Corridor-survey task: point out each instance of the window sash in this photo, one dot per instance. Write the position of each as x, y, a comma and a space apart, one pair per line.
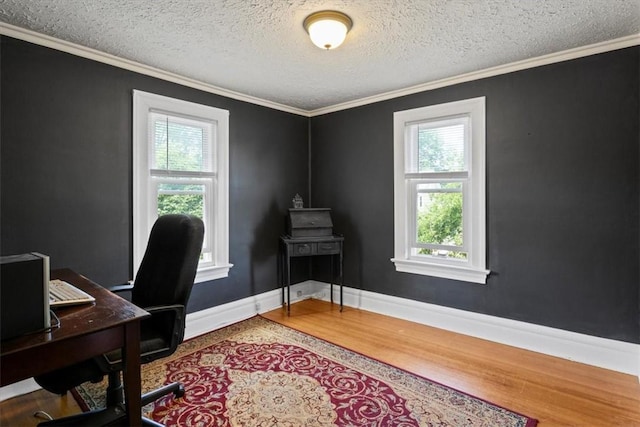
412, 215
414, 178
412, 141
207, 139
172, 173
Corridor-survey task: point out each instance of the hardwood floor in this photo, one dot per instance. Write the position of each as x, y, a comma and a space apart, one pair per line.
19, 411
557, 392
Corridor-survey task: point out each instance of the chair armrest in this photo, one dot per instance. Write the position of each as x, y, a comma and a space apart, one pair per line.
121, 288
159, 309
160, 336
167, 321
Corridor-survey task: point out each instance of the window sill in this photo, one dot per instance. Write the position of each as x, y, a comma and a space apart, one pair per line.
454, 272
212, 273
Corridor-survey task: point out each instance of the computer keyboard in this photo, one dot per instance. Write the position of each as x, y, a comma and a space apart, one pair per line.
62, 293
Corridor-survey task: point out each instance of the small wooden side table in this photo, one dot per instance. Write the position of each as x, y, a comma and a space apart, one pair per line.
304, 247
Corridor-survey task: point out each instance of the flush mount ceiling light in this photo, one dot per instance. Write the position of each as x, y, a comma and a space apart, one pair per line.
327, 28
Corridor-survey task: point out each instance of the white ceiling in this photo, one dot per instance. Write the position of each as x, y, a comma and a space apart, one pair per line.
259, 47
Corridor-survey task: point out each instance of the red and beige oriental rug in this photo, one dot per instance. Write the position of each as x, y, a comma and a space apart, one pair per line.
260, 373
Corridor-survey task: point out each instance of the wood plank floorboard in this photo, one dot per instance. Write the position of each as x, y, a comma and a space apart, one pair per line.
557, 392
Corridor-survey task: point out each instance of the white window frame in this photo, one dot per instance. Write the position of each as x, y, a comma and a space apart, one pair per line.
473, 269
145, 179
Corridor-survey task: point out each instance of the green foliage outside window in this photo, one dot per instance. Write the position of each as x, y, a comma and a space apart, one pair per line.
185, 204
442, 223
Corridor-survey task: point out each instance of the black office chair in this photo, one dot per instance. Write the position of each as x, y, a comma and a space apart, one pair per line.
162, 287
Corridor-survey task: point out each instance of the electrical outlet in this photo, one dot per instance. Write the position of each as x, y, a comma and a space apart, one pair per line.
257, 306
299, 294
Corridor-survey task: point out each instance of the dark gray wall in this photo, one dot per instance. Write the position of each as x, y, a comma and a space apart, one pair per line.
66, 169
562, 195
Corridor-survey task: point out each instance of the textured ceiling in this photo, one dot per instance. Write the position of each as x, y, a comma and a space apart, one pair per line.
259, 47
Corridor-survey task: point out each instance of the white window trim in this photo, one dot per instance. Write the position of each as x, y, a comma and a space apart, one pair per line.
144, 215
474, 269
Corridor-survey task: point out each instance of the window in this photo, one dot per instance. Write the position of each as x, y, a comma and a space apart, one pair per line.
439, 190
180, 165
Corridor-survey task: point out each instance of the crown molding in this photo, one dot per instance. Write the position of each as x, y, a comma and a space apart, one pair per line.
566, 55
96, 55
106, 58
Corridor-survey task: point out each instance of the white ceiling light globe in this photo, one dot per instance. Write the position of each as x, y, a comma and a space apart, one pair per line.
327, 29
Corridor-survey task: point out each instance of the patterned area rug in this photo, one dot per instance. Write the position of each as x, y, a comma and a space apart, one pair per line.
260, 373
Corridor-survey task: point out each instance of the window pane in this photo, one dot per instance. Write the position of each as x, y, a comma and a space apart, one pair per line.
178, 198
180, 144
181, 198
439, 217
441, 149
437, 145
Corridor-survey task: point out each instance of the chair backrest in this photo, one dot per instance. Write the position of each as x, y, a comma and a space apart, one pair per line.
170, 261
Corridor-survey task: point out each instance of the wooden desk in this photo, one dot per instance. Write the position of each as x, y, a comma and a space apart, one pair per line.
304, 247
85, 331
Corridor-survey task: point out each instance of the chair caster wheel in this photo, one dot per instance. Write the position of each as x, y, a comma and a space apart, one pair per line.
180, 392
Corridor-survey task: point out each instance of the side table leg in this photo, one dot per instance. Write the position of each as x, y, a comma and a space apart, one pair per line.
333, 276
340, 272
288, 280
280, 273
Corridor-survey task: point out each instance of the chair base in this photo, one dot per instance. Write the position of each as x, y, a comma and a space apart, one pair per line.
176, 388
116, 415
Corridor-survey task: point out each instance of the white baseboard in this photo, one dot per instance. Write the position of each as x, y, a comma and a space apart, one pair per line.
602, 352
605, 353
17, 389
204, 321
213, 318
